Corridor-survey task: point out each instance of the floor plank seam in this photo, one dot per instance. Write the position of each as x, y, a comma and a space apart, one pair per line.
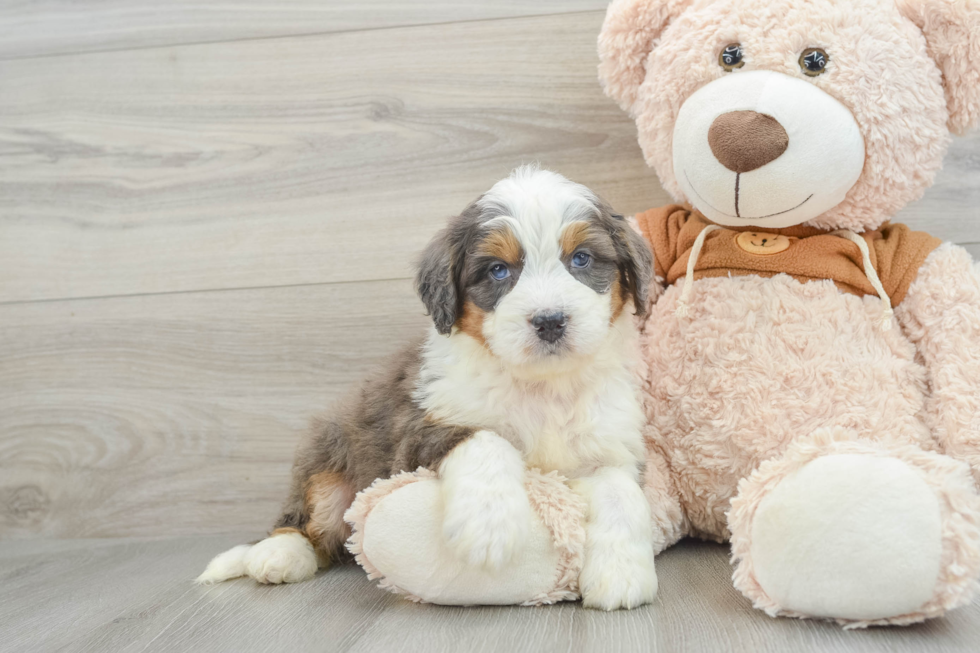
312, 284
76, 53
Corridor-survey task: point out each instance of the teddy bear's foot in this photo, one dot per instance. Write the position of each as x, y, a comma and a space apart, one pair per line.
849, 536
861, 532
397, 536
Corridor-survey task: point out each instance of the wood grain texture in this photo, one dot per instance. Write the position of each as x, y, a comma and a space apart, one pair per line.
289, 161
46, 27
242, 215
131, 595
176, 414
312, 159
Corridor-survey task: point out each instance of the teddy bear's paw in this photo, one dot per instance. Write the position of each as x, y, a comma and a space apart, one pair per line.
283, 558
850, 536
487, 526
621, 577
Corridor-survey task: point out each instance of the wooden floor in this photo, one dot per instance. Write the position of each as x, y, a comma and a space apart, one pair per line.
132, 595
208, 214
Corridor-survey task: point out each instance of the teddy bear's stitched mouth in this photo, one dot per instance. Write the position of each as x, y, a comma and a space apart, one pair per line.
742, 217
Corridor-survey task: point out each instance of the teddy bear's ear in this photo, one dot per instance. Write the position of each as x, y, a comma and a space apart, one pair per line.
952, 31
625, 42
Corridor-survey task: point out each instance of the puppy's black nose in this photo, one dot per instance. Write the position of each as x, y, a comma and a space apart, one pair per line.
550, 326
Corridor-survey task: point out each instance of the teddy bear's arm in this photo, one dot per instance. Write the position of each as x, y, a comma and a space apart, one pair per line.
941, 316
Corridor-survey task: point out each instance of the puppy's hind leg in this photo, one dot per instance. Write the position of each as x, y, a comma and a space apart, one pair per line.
304, 540
328, 496
286, 556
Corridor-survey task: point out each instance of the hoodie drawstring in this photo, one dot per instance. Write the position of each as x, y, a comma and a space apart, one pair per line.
887, 313
871, 274
681, 310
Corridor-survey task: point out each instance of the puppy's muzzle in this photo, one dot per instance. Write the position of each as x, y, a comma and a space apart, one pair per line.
550, 327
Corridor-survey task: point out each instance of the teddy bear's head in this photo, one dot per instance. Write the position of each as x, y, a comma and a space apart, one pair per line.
772, 113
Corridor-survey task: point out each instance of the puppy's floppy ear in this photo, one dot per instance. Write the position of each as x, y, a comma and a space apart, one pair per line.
952, 31
436, 283
638, 265
627, 37
634, 256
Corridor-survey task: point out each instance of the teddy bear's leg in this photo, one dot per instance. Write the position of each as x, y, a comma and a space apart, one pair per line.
859, 531
398, 536
669, 520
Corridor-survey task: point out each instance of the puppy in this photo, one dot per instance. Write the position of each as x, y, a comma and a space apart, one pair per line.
529, 363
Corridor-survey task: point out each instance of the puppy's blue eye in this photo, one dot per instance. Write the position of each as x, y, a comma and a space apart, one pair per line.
581, 260
499, 272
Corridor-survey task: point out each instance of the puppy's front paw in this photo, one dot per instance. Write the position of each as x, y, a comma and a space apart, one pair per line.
283, 558
487, 526
623, 577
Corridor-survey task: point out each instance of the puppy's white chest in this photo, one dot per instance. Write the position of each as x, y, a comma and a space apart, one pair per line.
575, 435
571, 424
550, 434
556, 452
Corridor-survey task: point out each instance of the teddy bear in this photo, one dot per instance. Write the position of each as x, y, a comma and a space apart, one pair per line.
811, 370
813, 382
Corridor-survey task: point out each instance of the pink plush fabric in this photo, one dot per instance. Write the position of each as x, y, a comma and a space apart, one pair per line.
563, 513
655, 53
561, 510
630, 30
957, 497
357, 516
743, 390
728, 389
718, 380
941, 316
669, 521
952, 31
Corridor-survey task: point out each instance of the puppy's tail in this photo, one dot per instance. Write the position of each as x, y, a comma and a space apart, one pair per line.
230, 564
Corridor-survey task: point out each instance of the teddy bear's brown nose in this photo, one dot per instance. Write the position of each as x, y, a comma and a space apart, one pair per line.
743, 141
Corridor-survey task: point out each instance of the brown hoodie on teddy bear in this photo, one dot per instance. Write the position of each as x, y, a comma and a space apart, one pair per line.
805, 253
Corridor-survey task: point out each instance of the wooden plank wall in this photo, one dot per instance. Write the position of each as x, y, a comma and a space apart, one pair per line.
207, 224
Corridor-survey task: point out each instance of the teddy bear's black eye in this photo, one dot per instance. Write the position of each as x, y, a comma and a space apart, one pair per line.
731, 57
813, 62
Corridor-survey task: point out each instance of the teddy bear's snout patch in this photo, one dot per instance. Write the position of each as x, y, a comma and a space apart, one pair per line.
744, 141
